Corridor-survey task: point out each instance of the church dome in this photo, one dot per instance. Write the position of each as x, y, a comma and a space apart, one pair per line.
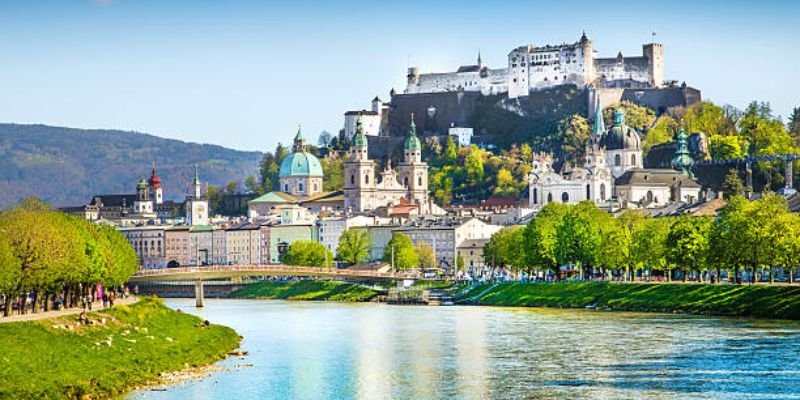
621, 136
300, 164
412, 141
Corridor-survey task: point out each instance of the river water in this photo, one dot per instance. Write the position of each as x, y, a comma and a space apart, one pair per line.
311, 350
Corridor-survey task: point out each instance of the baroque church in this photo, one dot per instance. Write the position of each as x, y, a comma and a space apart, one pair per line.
613, 174
406, 186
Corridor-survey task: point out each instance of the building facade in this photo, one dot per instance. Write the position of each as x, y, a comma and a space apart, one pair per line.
536, 67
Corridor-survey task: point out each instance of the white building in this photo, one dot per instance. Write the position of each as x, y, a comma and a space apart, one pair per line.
463, 135
148, 243
331, 229
533, 67
371, 120
197, 205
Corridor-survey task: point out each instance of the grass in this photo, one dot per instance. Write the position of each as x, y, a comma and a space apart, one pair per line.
306, 290
761, 301
140, 341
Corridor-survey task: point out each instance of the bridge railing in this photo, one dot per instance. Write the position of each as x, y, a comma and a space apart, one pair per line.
267, 269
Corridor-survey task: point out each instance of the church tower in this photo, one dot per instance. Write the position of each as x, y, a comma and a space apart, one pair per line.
359, 174
196, 205
143, 205
413, 171
156, 192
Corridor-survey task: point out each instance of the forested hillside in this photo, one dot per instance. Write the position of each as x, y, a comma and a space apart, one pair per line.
66, 166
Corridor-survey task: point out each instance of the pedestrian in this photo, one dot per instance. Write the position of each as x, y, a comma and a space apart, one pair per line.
83, 318
111, 299
105, 299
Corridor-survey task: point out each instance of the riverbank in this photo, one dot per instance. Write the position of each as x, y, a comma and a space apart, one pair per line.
306, 290
778, 302
123, 348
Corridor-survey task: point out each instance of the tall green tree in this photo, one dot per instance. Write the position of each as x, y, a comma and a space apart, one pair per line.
425, 255
354, 245
688, 243
732, 185
649, 247
401, 249
474, 166
541, 237
504, 248
10, 270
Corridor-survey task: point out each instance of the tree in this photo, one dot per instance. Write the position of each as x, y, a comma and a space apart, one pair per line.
425, 255
573, 134
708, 118
649, 244
333, 168
636, 116
663, 132
725, 147
450, 153
794, 125
540, 237
504, 248
354, 246
504, 183
252, 186
441, 184
688, 243
308, 253
474, 165
727, 237
10, 270
325, 138
788, 244
579, 236
732, 185
269, 170
401, 249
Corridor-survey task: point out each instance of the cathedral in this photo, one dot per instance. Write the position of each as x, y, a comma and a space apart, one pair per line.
613, 170
407, 185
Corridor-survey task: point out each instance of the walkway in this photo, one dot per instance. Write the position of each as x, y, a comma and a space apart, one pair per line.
97, 306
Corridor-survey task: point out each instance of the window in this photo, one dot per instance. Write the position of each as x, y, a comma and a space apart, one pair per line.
352, 179
549, 197
588, 192
649, 196
300, 187
603, 191
633, 160
419, 181
564, 197
535, 196
286, 187
366, 178
405, 181
617, 160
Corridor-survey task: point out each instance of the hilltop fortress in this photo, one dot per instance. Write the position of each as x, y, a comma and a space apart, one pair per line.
539, 67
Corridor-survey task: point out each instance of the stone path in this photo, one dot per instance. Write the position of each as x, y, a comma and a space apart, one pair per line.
97, 306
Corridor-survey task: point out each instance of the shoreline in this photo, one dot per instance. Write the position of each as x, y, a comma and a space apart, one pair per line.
138, 346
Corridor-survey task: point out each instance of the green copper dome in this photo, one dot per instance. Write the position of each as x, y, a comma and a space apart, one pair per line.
142, 184
300, 164
412, 141
682, 161
621, 136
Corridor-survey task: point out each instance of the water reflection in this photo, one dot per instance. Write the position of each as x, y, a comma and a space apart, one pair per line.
373, 351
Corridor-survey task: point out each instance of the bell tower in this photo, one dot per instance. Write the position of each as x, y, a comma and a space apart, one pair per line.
413, 171
359, 174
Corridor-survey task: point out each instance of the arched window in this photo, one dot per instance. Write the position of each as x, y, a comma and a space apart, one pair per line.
549, 197
649, 196
617, 160
564, 197
419, 181
352, 179
535, 196
315, 187
300, 187
366, 178
633, 159
588, 192
603, 191
405, 181
286, 187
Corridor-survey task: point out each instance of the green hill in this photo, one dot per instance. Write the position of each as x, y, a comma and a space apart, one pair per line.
66, 166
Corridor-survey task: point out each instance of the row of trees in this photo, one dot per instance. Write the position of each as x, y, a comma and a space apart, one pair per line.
354, 248
49, 254
759, 236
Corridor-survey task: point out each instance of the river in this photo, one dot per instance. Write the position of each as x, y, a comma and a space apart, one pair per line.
313, 350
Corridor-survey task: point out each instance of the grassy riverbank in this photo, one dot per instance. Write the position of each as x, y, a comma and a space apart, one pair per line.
782, 302
306, 290
54, 358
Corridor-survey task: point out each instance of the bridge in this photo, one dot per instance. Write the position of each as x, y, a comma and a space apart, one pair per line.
212, 272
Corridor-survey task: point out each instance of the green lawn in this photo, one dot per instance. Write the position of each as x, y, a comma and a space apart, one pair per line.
38, 360
306, 290
761, 301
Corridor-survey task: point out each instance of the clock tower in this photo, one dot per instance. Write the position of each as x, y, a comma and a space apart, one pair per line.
196, 205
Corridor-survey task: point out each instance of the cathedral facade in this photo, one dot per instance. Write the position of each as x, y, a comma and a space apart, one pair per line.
363, 191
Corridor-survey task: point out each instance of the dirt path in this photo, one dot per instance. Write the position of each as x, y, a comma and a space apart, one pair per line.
97, 306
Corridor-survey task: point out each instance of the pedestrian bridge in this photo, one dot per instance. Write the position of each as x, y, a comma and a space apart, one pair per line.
216, 272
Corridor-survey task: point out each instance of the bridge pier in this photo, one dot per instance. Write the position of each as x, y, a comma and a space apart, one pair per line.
199, 297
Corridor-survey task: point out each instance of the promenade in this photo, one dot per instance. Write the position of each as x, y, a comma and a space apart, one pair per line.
96, 306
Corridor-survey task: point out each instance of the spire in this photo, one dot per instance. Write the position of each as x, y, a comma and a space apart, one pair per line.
413, 127
299, 142
599, 123
196, 180
619, 117
682, 161
412, 142
480, 61
359, 139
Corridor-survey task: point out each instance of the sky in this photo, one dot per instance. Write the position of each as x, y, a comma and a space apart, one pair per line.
244, 74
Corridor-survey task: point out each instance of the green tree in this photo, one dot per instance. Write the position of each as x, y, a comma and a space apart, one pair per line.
354, 246
732, 185
688, 243
794, 125
579, 238
662, 132
308, 253
474, 166
505, 248
573, 135
649, 244
333, 168
504, 183
269, 169
10, 270
541, 238
251, 185
425, 255
724, 147
708, 118
450, 153
788, 244
636, 116
442, 186
402, 249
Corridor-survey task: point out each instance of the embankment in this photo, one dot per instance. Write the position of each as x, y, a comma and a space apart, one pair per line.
760, 301
123, 348
306, 290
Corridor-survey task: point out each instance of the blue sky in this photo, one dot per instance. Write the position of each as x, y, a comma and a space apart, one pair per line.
243, 74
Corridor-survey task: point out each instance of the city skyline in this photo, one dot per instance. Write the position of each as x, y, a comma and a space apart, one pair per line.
244, 74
